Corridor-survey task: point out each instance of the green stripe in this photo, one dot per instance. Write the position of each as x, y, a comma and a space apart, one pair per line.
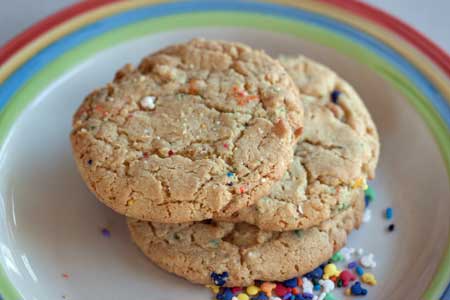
68, 60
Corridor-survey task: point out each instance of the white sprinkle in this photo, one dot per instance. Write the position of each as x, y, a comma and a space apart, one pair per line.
234, 298
368, 261
367, 216
300, 209
360, 251
307, 286
347, 253
148, 102
328, 285
263, 179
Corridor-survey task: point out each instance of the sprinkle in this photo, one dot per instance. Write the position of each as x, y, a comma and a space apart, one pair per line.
225, 295
329, 296
89, 162
267, 288
335, 96
346, 277
317, 273
369, 196
359, 271
170, 153
262, 296
280, 290
347, 253
368, 261
367, 215
243, 297
352, 265
360, 251
291, 283
236, 290
359, 183
106, 232
389, 213
287, 296
295, 291
347, 292
214, 288
148, 102
241, 190
391, 227
230, 174
219, 279
252, 290
337, 257
328, 285
369, 279
316, 287
225, 146
330, 270
307, 286
65, 275
358, 290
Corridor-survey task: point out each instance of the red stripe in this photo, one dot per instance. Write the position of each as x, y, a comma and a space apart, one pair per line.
434, 52
17, 43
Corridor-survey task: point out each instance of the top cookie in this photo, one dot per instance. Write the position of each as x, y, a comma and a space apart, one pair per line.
338, 151
198, 129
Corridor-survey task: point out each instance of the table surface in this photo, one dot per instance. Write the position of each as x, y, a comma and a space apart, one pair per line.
428, 18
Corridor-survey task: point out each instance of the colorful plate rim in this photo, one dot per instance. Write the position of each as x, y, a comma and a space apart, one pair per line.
423, 62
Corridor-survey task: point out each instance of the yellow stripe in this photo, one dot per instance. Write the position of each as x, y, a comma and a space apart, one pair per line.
66, 28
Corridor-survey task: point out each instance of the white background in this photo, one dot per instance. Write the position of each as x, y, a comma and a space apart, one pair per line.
430, 17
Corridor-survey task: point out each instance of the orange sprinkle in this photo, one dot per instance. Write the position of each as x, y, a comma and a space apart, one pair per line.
296, 291
299, 281
241, 190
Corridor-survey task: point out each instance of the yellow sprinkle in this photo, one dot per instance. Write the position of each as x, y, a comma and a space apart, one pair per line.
369, 278
252, 290
243, 297
130, 202
360, 183
213, 288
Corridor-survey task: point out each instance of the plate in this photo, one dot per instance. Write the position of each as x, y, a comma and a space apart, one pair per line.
51, 241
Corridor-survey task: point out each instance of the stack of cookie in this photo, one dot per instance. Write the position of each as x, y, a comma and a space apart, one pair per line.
227, 161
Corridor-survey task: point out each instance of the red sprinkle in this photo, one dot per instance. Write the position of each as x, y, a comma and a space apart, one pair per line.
281, 290
241, 190
225, 146
146, 155
236, 290
65, 275
170, 153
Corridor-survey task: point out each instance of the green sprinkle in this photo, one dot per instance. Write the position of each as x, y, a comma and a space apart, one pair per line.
329, 296
214, 243
337, 257
370, 194
298, 232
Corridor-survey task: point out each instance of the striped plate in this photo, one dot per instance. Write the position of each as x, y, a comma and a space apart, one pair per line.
50, 241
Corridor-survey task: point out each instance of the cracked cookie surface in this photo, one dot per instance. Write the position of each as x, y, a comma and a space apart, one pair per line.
196, 130
247, 253
337, 152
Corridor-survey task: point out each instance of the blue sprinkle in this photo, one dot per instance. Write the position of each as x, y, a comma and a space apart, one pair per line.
262, 296
317, 287
308, 296
317, 273
359, 271
352, 265
227, 294
358, 290
219, 279
389, 213
291, 283
367, 200
230, 174
105, 233
335, 96
287, 296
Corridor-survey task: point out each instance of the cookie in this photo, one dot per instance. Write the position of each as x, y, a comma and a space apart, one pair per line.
196, 130
197, 250
338, 151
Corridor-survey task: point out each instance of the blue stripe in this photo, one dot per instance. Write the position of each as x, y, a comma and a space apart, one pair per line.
446, 294
17, 80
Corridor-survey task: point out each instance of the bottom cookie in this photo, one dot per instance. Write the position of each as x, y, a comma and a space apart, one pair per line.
197, 250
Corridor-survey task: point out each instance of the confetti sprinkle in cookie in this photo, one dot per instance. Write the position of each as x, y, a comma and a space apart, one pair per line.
337, 152
159, 142
200, 251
